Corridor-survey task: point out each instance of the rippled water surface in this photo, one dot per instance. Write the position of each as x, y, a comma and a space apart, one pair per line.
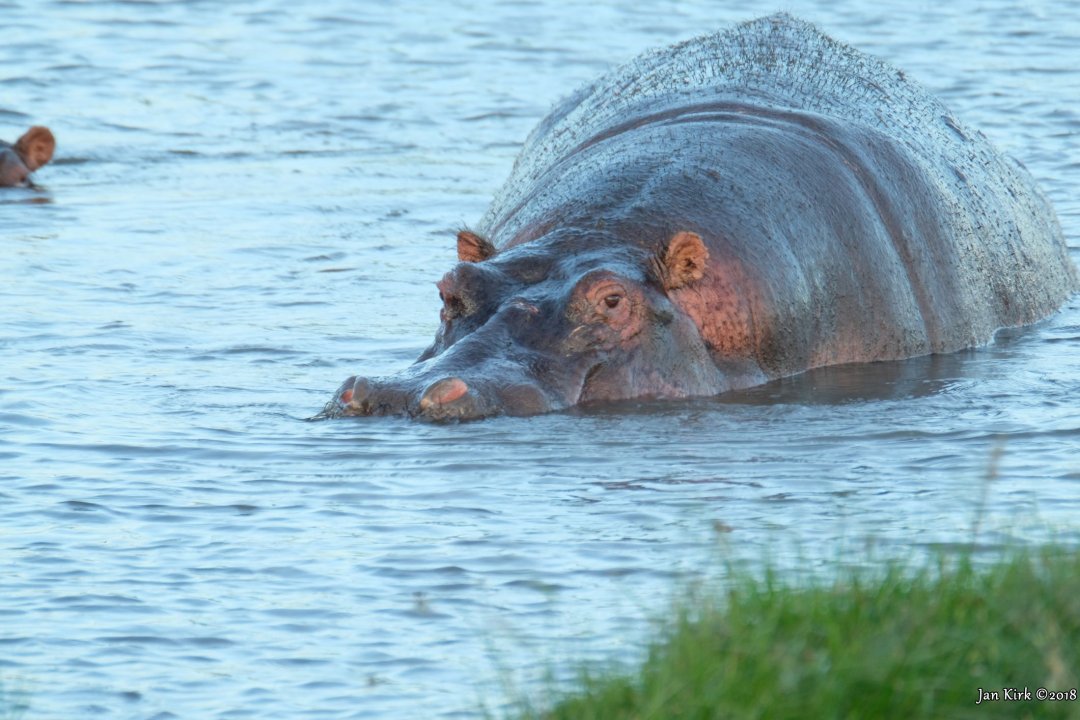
251, 201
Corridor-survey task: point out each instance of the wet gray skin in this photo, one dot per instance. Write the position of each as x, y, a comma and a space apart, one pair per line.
738, 208
13, 171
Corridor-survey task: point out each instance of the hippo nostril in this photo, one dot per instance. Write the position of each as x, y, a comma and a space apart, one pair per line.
354, 392
444, 392
345, 392
361, 389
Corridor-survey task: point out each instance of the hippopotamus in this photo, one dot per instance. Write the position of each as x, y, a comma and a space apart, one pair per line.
28, 153
721, 213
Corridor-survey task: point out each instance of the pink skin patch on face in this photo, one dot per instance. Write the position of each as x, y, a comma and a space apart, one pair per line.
448, 391
444, 392
346, 397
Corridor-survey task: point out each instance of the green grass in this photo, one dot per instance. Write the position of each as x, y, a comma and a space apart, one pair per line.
896, 643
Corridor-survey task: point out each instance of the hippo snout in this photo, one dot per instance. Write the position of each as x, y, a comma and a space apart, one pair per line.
446, 398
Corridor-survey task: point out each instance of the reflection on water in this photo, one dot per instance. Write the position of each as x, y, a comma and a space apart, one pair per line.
837, 385
252, 202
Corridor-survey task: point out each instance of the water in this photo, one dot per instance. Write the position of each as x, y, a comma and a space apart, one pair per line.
251, 202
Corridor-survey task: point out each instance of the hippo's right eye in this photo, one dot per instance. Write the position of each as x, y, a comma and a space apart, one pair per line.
612, 301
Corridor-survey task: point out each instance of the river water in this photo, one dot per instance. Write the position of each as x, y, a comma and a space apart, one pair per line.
251, 201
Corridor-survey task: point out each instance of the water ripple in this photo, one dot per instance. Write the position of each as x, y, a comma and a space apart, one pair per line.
250, 204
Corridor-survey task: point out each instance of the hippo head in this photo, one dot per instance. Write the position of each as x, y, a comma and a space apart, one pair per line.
544, 326
31, 151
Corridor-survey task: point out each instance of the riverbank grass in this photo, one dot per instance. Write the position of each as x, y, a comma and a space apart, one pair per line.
895, 643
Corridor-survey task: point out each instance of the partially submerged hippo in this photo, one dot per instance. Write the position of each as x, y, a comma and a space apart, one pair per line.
31, 151
738, 208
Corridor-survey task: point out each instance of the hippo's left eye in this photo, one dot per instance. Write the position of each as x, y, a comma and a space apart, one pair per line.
612, 301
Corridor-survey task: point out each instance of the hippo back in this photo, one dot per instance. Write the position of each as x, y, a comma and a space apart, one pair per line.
996, 231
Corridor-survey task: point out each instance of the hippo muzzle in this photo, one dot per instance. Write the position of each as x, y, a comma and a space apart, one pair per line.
447, 398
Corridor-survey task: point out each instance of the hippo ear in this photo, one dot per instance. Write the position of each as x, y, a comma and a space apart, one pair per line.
473, 248
684, 260
35, 147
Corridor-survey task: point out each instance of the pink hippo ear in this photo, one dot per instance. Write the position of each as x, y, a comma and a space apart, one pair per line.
473, 248
684, 260
35, 147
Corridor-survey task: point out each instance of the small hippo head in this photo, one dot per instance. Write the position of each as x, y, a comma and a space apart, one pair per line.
31, 151
546, 325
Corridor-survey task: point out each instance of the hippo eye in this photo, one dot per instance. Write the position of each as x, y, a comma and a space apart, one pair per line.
612, 301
